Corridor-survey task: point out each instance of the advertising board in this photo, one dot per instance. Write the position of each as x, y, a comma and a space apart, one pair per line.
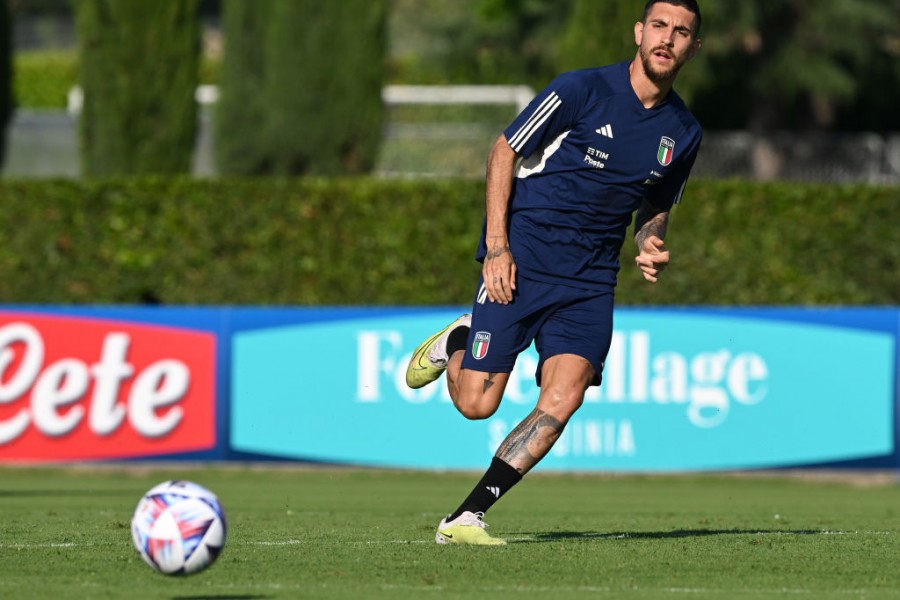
683, 389
76, 387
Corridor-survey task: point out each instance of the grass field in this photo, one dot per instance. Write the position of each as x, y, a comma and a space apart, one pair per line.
311, 533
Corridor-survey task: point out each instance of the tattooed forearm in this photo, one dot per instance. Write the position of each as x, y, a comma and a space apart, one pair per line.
495, 252
530, 440
647, 224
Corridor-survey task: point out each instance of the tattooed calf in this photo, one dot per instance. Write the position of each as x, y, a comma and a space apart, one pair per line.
530, 440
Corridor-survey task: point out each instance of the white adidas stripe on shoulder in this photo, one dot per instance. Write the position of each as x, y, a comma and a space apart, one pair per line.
540, 115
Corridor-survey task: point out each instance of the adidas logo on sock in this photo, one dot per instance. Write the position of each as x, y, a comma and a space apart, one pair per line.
494, 490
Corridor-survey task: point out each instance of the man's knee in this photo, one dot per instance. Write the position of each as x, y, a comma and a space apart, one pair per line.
475, 408
561, 402
564, 380
477, 395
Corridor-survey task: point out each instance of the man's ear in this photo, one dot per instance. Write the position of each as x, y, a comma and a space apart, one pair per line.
695, 48
638, 33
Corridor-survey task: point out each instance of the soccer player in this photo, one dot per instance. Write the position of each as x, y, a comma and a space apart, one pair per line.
593, 149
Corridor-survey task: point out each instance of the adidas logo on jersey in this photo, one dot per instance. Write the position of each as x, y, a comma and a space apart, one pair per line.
606, 130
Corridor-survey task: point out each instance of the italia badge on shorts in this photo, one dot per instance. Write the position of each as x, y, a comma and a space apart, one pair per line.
666, 150
480, 345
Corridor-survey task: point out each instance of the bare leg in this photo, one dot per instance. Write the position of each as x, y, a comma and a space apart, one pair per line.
530, 441
564, 380
475, 394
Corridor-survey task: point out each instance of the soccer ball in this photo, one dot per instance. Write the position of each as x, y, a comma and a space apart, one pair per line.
179, 528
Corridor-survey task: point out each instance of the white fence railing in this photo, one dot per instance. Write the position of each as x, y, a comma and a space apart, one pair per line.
44, 144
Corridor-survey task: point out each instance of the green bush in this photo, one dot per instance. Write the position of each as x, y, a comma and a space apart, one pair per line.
360, 241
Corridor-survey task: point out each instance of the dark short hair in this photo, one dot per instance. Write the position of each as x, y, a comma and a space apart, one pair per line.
691, 5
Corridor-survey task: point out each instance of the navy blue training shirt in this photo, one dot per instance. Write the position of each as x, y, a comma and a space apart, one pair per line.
591, 153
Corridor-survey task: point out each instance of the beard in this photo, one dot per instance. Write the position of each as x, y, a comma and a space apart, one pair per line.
658, 76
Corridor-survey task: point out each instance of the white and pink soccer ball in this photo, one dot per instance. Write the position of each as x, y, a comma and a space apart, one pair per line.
179, 528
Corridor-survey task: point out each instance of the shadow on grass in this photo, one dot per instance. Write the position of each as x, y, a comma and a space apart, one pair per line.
554, 536
62, 493
223, 597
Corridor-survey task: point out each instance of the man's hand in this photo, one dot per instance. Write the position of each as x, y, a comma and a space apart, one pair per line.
499, 272
653, 258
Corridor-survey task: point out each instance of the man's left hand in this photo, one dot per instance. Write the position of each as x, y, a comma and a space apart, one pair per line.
653, 258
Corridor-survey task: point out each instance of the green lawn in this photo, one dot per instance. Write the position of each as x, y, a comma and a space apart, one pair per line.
309, 533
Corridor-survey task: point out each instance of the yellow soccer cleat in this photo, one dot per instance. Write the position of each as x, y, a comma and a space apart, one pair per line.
467, 528
430, 358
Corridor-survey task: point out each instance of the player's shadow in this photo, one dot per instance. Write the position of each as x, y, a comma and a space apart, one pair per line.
555, 536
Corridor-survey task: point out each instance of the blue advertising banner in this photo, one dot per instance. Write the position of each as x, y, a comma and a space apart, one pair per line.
682, 390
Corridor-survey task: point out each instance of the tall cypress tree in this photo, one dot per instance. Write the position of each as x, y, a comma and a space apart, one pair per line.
599, 33
139, 73
319, 79
240, 112
323, 85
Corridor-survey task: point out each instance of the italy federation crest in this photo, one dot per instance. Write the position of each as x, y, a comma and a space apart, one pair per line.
666, 150
480, 345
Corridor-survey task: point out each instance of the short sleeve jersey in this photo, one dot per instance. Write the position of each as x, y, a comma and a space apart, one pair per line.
590, 154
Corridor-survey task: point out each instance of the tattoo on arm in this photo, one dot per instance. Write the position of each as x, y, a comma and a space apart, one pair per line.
647, 225
530, 440
496, 252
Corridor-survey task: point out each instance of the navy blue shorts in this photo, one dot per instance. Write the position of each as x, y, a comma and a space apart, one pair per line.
557, 318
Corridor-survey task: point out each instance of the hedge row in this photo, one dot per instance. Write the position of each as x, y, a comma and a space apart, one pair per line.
390, 242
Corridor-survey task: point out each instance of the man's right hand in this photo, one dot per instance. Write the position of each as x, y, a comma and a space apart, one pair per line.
499, 272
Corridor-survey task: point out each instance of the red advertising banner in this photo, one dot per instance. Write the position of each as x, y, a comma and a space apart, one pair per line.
74, 388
